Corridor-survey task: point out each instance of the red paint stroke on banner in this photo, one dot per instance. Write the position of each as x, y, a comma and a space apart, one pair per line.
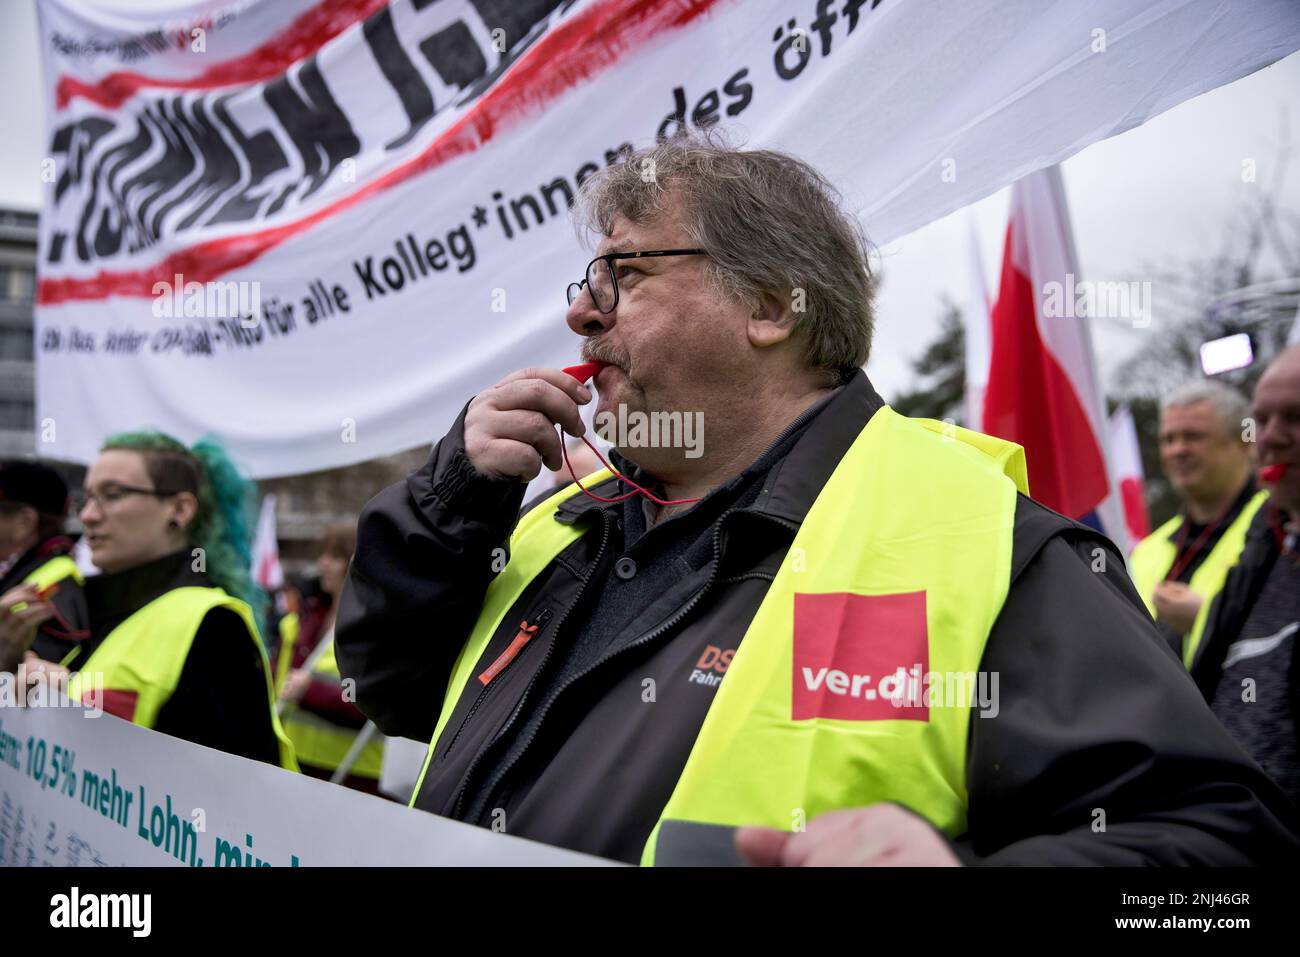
298, 41
569, 54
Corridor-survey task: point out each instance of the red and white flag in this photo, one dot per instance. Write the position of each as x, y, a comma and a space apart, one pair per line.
1043, 390
1126, 464
267, 571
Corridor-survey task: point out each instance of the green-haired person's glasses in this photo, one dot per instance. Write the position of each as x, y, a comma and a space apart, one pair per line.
112, 493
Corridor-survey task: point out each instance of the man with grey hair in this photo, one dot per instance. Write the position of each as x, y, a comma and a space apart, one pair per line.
838, 635
1205, 455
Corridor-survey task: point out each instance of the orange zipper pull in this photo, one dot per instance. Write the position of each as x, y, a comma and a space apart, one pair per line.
525, 635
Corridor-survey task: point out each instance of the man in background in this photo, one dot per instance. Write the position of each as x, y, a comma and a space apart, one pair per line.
1180, 567
35, 550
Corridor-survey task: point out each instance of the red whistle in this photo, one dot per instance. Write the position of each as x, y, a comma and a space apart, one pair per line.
586, 370
1273, 473
582, 373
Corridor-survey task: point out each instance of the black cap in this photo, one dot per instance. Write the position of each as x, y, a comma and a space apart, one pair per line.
30, 483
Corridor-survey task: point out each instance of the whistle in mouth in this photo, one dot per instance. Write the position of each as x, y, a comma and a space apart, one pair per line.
586, 370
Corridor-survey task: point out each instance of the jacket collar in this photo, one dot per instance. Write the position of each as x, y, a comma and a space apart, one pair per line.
1243, 498
113, 597
795, 481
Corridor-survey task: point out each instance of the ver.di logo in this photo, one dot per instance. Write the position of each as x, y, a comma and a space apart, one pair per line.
853, 655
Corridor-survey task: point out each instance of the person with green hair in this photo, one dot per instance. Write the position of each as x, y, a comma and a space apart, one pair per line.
174, 641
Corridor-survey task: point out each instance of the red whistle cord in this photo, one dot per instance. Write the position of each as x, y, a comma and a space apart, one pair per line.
636, 489
582, 373
65, 631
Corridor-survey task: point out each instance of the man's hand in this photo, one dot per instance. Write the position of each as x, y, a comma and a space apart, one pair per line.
21, 611
510, 428
34, 665
1176, 605
882, 835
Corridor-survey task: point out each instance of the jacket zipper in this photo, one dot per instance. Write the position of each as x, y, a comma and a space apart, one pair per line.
526, 633
643, 640
582, 586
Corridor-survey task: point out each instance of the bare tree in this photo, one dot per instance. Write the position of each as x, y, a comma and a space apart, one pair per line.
1250, 284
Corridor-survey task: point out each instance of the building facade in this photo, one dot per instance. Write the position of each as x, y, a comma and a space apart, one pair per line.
17, 371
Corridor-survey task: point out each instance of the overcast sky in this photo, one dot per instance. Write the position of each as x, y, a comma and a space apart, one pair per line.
1156, 194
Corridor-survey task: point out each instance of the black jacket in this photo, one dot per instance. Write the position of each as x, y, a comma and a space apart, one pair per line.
1232, 605
221, 698
1096, 714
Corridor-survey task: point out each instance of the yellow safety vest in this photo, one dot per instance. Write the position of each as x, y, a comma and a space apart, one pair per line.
917, 510
146, 653
1154, 556
324, 744
55, 570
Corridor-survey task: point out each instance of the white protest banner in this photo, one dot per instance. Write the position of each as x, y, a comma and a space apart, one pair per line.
316, 227
77, 790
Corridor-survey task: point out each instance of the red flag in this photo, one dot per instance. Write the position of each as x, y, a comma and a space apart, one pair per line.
1043, 391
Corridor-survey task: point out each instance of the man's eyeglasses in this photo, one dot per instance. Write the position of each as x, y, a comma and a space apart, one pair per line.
601, 282
113, 493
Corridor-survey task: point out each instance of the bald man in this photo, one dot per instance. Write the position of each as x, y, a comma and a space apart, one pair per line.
1246, 667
